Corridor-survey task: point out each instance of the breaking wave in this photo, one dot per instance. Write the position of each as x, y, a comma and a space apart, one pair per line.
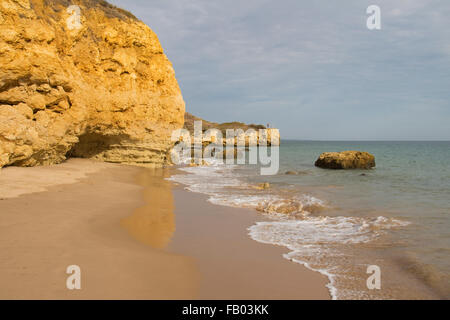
295, 221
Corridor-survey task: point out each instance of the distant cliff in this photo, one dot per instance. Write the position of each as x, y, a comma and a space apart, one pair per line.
189, 120
88, 81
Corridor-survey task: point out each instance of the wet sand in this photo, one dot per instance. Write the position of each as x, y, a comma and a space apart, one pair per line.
42, 233
231, 264
134, 236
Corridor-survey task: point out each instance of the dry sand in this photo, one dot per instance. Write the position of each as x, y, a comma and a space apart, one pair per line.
134, 236
43, 233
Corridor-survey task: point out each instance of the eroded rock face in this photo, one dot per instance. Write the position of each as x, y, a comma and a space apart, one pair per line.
346, 160
98, 87
190, 119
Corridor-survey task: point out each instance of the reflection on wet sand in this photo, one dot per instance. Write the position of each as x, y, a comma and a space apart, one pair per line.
154, 223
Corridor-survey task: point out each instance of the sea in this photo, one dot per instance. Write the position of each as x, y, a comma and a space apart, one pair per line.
387, 225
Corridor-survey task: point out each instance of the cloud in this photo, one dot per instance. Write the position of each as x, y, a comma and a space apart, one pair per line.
305, 66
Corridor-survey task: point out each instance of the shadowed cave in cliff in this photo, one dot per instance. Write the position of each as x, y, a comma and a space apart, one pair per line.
94, 145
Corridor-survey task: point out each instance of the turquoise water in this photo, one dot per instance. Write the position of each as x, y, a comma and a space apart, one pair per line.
338, 222
411, 182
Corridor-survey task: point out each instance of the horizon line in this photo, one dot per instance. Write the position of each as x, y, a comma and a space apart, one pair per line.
362, 140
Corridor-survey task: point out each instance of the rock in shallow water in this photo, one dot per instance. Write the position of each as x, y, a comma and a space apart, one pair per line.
263, 186
345, 160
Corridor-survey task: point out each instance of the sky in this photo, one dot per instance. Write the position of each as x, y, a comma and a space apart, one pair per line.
310, 68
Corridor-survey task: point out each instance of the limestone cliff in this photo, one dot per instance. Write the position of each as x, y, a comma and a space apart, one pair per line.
89, 80
189, 120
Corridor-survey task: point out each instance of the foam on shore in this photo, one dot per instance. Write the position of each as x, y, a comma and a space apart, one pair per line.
296, 221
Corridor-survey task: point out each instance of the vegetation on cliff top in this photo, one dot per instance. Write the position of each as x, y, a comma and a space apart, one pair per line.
190, 118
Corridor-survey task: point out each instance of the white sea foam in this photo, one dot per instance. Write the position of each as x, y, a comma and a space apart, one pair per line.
312, 240
210, 180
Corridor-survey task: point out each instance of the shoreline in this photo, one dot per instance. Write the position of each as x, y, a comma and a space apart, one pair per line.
338, 244
101, 222
253, 264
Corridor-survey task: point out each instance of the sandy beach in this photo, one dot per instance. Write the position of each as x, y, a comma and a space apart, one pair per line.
200, 151
134, 235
